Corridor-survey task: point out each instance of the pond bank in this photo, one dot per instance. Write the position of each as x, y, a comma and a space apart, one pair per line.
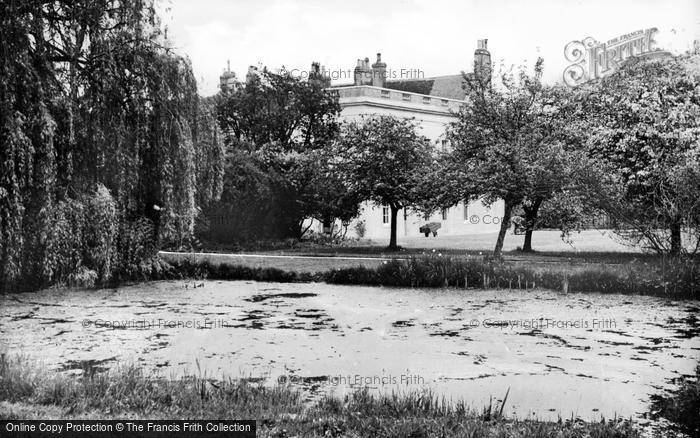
126, 392
587, 356
677, 278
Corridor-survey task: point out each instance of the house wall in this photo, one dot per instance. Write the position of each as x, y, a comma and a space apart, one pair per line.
480, 220
432, 115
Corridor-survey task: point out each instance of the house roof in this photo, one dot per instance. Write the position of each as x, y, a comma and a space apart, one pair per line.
449, 87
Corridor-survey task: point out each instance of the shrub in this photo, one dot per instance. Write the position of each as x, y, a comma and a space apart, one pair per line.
435, 270
62, 254
136, 249
190, 269
682, 406
680, 277
99, 234
358, 275
82, 277
360, 228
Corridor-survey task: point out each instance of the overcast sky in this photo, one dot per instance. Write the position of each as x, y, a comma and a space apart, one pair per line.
432, 37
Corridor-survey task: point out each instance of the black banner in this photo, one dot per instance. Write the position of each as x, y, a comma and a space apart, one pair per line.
128, 428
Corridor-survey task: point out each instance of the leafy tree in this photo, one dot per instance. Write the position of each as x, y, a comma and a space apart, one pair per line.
331, 197
280, 109
281, 125
644, 122
247, 202
97, 117
384, 159
507, 144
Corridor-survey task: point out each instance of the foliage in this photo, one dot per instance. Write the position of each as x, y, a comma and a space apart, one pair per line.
279, 131
384, 158
247, 201
100, 127
675, 277
278, 108
210, 158
644, 122
331, 197
667, 277
191, 269
682, 406
509, 143
360, 228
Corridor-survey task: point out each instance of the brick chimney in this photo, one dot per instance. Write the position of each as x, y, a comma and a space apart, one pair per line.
228, 78
482, 61
318, 74
363, 73
379, 72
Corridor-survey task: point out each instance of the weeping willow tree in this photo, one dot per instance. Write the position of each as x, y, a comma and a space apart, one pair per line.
106, 151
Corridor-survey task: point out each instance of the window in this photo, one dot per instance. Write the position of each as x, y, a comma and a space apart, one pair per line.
426, 100
444, 102
406, 96
385, 215
466, 209
444, 214
385, 94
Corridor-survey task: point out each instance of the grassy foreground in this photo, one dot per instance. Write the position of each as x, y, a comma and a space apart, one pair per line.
31, 392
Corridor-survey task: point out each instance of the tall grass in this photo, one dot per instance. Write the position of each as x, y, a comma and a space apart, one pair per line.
682, 407
673, 277
678, 278
27, 390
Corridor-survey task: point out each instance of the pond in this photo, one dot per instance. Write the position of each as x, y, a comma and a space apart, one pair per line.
558, 355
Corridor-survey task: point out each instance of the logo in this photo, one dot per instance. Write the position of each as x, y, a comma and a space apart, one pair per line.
591, 59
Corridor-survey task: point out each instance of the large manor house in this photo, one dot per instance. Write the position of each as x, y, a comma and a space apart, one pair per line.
431, 102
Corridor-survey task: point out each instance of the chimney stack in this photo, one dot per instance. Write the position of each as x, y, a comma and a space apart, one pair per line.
363, 73
227, 79
379, 72
482, 61
318, 74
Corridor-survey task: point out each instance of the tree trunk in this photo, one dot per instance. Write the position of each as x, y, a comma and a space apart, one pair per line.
676, 238
505, 224
392, 239
527, 245
530, 222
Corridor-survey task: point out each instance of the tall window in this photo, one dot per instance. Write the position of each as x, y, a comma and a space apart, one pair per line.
444, 214
385, 215
466, 209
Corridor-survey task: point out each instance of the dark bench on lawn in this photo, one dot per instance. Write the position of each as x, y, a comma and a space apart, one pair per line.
431, 227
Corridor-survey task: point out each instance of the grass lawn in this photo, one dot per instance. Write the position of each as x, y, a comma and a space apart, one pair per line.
548, 241
588, 247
